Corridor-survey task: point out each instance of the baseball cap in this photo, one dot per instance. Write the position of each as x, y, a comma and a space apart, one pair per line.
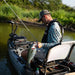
43, 12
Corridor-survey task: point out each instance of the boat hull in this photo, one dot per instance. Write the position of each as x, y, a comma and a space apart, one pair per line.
18, 64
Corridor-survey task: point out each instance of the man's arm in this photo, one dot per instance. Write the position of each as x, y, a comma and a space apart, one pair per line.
54, 36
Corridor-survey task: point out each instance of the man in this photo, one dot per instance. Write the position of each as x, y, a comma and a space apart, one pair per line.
52, 36
52, 33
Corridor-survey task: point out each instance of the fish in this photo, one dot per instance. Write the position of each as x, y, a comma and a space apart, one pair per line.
31, 54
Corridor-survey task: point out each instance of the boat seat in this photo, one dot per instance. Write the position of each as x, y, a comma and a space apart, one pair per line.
56, 56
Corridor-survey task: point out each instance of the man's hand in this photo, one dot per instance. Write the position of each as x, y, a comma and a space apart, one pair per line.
39, 44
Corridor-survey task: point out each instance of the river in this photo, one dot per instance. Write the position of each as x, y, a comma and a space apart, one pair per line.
35, 34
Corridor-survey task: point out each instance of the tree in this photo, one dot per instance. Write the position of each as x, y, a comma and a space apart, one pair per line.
48, 4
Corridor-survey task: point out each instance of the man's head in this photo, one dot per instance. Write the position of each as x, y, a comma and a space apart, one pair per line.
45, 16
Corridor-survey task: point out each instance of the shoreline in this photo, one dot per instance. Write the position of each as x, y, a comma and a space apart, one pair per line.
39, 24
33, 23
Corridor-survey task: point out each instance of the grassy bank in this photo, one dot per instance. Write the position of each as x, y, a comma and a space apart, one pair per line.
65, 18
7, 14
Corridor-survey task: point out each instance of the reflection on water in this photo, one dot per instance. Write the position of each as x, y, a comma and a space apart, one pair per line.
5, 67
4, 70
69, 36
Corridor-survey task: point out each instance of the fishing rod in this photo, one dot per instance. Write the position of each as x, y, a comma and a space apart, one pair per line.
20, 20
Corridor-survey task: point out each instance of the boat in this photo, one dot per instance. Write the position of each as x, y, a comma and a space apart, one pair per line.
56, 61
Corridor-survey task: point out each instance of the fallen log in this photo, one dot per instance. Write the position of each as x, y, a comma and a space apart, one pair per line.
33, 23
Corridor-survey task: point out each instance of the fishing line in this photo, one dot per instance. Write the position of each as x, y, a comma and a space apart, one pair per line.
20, 20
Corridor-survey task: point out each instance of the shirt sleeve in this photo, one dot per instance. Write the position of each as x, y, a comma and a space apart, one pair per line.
49, 45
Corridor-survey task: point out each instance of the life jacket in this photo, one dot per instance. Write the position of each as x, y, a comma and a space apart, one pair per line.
45, 36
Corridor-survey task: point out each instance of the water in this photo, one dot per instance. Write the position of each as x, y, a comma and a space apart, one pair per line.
5, 66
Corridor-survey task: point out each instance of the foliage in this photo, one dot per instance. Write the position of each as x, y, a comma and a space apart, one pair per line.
7, 14
27, 9
67, 8
40, 4
66, 18
47, 4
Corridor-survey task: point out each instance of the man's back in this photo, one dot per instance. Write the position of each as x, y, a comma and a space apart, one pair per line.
54, 33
